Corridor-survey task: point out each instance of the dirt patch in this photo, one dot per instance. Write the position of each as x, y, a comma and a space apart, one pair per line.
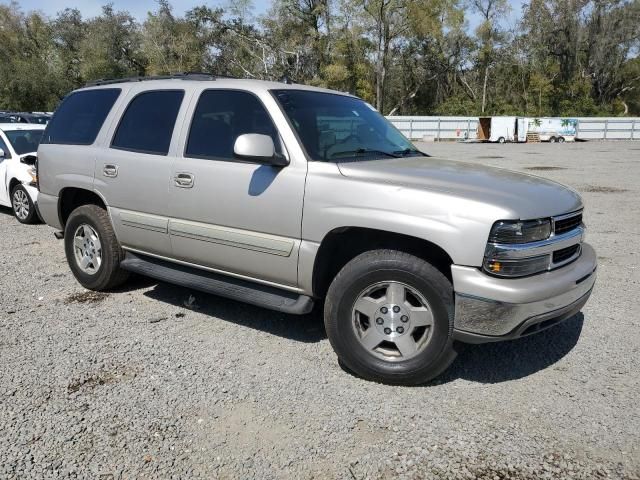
601, 189
490, 157
92, 380
86, 297
543, 168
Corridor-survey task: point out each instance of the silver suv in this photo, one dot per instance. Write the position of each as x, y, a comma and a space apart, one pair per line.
283, 196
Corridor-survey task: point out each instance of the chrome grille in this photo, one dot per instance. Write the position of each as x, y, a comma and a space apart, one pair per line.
566, 223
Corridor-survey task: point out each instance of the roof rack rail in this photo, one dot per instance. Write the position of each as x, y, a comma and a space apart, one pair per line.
179, 76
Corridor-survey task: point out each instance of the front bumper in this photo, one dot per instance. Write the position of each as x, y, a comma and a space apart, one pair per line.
490, 309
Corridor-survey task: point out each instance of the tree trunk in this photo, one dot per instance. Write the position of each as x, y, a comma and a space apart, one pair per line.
484, 88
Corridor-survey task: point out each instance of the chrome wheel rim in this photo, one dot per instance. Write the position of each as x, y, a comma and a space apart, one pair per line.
20, 203
392, 321
87, 249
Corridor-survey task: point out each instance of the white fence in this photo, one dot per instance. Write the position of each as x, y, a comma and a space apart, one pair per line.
460, 128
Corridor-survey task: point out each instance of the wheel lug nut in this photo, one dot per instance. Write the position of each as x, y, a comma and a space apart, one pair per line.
400, 329
379, 321
387, 331
384, 309
396, 309
404, 318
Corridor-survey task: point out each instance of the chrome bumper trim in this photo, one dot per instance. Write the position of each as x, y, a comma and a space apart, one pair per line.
491, 306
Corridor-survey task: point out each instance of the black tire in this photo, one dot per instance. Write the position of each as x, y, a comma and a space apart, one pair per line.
21, 201
552, 140
373, 267
560, 139
501, 140
109, 274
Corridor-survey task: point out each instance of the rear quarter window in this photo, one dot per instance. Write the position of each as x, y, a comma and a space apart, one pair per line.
80, 117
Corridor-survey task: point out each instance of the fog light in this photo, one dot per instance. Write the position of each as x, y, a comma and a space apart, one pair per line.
517, 268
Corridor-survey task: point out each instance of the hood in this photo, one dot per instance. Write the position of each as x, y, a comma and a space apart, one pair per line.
526, 195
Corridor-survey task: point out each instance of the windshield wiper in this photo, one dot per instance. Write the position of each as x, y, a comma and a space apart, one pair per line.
409, 151
361, 151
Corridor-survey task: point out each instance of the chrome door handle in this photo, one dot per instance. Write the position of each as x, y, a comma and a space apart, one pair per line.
110, 170
183, 180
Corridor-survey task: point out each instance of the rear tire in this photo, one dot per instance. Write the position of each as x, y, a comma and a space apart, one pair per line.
560, 139
23, 207
92, 249
389, 318
552, 140
501, 140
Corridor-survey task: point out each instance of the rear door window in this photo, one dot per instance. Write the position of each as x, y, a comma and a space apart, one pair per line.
147, 124
79, 118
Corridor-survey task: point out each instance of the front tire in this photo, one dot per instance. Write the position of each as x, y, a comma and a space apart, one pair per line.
23, 207
389, 318
92, 249
501, 140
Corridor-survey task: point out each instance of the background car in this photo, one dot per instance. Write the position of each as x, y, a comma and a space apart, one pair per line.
7, 118
18, 146
39, 118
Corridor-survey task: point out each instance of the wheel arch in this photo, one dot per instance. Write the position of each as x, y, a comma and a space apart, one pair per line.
71, 198
12, 184
341, 245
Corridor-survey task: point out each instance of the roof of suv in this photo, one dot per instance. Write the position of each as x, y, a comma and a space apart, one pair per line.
198, 79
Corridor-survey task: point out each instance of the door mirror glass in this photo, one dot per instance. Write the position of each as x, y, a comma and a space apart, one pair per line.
258, 147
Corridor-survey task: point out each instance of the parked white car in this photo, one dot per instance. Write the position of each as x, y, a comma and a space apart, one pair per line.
18, 190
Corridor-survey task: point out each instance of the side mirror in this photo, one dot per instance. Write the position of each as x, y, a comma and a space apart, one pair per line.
2, 153
29, 160
258, 147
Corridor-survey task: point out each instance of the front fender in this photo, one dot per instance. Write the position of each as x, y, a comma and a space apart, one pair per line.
458, 225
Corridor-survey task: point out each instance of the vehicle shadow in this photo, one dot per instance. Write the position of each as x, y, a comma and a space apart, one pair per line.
6, 211
511, 360
486, 363
301, 328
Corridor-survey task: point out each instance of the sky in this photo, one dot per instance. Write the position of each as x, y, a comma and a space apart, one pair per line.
139, 8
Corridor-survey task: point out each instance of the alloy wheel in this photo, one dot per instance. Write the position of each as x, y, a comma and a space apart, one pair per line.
20, 203
87, 249
392, 320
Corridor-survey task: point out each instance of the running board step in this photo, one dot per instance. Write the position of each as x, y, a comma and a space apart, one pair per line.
217, 284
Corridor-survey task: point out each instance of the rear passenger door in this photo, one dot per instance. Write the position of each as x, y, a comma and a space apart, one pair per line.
232, 215
134, 167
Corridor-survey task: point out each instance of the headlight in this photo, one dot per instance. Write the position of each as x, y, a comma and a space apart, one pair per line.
34, 175
517, 268
507, 231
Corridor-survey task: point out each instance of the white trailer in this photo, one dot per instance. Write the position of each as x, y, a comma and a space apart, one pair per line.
553, 129
515, 129
502, 129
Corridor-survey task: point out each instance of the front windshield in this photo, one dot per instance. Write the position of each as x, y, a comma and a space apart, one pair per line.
335, 127
24, 141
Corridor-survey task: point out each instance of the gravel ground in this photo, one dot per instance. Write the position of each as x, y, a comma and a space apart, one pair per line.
157, 381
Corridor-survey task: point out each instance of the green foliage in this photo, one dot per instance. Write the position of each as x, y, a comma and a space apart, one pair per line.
564, 58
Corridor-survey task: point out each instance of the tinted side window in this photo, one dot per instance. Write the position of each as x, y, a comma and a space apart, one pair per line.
79, 118
147, 124
223, 115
